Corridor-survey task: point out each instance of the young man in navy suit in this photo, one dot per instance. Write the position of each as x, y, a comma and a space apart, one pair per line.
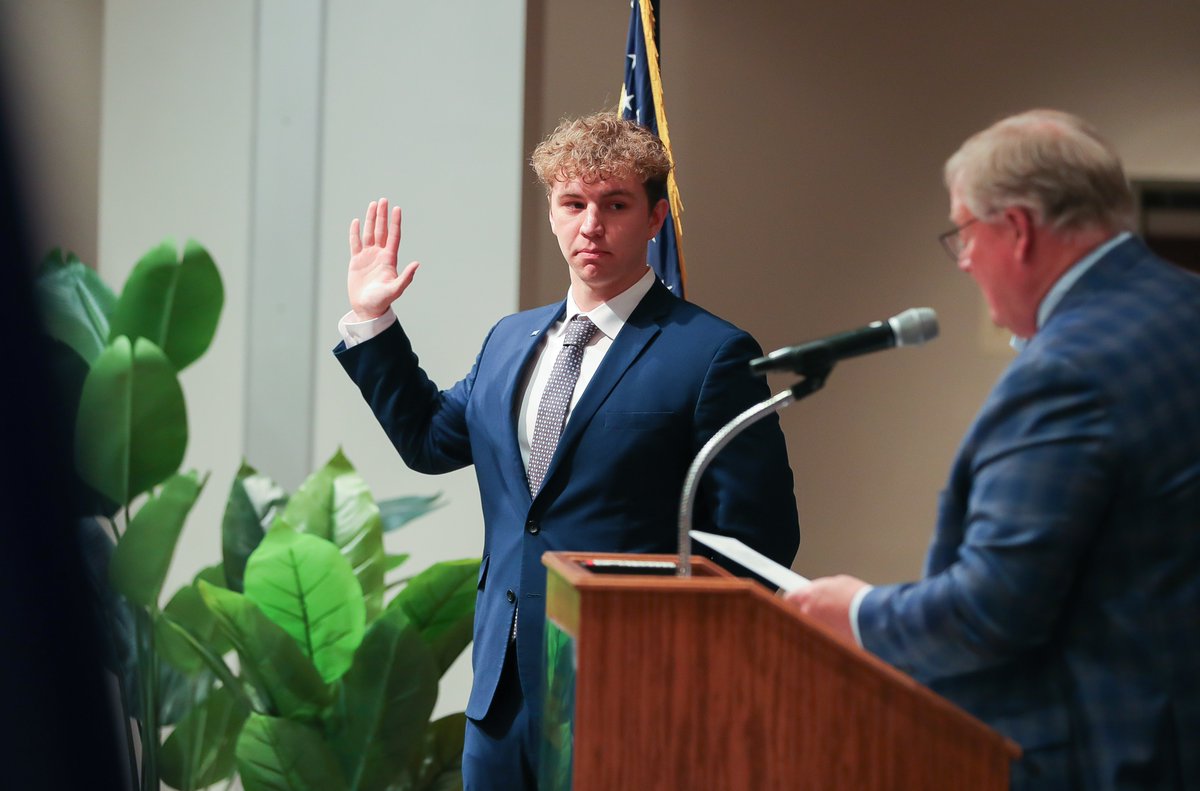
651, 380
1061, 597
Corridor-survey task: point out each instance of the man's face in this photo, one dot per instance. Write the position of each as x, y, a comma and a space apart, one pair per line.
990, 257
602, 230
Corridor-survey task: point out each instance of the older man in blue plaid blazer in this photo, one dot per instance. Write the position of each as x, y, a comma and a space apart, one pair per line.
1061, 597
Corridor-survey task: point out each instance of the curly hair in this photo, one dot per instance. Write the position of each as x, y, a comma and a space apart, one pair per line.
1053, 163
600, 147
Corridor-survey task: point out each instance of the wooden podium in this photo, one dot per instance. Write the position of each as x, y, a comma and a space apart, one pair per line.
710, 682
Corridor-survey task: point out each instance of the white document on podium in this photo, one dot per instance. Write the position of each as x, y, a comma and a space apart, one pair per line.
754, 561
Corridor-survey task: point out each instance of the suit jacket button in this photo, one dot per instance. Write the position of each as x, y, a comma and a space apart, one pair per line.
510, 596
532, 527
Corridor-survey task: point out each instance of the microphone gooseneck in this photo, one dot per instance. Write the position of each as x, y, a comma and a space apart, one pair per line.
813, 361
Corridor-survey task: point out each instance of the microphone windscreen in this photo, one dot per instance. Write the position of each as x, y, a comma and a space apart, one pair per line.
914, 326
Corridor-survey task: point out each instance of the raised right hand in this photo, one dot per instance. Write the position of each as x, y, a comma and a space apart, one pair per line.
371, 280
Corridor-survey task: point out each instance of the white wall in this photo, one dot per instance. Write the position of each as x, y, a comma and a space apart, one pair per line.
420, 102
175, 160
423, 106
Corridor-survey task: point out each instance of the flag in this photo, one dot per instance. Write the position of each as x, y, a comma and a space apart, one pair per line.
642, 101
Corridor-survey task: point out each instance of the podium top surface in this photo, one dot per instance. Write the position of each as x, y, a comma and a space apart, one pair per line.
606, 569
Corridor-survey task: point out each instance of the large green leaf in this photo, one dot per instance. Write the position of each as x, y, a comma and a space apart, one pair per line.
143, 555
440, 602
253, 501
270, 659
75, 304
440, 764
399, 511
304, 585
131, 430
173, 301
188, 610
200, 751
335, 504
386, 698
282, 755
68, 371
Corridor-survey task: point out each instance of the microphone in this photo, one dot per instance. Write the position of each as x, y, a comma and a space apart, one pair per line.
910, 328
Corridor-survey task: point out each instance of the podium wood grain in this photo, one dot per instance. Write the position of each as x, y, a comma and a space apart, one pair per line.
713, 683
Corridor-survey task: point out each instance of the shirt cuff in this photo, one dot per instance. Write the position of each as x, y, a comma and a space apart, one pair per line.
854, 605
355, 332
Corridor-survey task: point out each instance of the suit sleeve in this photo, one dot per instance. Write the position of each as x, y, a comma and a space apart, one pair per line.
1029, 491
747, 491
428, 427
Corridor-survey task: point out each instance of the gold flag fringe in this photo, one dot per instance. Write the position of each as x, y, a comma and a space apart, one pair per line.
660, 112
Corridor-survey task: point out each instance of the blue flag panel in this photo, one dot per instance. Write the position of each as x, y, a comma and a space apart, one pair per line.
637, 103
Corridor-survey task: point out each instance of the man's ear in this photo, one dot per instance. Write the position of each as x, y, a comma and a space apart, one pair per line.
658, 215
1020, 220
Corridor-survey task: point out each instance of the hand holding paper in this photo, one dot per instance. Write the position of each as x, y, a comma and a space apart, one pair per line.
828, 600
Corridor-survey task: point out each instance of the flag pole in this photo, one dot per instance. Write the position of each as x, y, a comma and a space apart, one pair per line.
660, 114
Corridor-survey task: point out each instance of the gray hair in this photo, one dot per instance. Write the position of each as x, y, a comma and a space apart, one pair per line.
1052, 163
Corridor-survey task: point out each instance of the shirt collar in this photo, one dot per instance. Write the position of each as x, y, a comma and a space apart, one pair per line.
609, 317
1072, 275
1069, 279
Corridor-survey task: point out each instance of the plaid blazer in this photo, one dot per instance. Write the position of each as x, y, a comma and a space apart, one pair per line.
1061, 596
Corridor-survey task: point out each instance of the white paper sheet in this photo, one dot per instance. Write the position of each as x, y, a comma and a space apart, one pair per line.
752, 560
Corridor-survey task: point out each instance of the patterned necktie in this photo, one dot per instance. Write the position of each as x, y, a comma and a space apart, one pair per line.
552, 410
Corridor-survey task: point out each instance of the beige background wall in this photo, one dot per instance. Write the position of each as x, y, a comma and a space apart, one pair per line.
50, 74
809, 139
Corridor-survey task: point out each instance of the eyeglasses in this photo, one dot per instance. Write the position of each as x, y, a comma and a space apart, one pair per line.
952, 242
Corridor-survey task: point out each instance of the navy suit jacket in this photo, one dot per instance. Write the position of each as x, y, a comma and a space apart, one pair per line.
1061, 598
671, 378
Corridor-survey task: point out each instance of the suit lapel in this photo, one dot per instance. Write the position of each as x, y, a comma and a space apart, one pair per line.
643, 326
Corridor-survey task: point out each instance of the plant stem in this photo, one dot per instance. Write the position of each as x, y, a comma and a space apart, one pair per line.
193, 766
141, 682
398, 583
145, 682
128, 718
148, 671
153, 729
114, 603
